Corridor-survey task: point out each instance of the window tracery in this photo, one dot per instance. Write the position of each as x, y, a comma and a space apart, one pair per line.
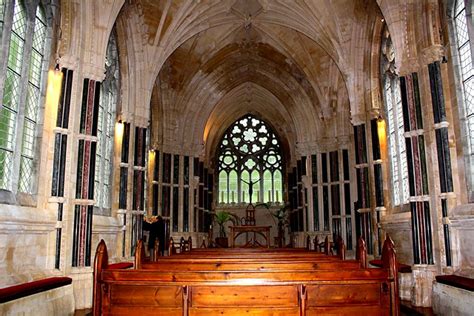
250, 163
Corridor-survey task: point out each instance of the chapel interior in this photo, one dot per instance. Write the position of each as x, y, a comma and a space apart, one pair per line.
336, 119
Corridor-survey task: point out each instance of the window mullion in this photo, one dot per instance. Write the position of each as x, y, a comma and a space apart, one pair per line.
23, 91
470, 27
5, 43
104, 148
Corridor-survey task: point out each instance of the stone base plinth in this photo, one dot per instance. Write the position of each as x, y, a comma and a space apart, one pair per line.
450, 300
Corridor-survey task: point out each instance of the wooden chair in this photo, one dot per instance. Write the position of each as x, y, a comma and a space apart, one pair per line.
249, 219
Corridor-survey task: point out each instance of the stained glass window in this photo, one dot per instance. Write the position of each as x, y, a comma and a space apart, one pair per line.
105, 126
21, 95
250, 163
463, 45
395, 127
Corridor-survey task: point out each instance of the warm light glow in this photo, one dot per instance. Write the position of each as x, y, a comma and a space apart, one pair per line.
151, 154
53, 92
382, 133
119, 130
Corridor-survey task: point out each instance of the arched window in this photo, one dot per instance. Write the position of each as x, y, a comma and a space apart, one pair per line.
394, 114
21, 82
466, 73
250, 163
105, 128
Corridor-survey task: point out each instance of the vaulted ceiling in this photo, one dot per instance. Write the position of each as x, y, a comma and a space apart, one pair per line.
299, 65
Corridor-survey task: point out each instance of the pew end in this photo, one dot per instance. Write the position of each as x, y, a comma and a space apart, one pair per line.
101, 261
361, 253
389, 262
139, 254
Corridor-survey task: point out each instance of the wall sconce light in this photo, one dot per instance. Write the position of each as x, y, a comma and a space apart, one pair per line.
119, 126
53, 91
382, 132
151, 155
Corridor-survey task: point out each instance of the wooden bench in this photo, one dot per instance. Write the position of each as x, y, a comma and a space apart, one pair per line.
182, 246
29, 288
284, 290
48, 296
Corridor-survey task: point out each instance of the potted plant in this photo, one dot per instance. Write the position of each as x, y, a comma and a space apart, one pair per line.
221, 218
280, 216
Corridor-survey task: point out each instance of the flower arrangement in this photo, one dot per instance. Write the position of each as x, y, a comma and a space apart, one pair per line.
150, 219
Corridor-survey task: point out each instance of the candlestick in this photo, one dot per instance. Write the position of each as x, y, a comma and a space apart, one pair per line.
258, 196
233, 197
278, 200
269, 195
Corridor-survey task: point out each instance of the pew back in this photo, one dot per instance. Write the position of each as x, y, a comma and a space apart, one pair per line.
238, 282
250, 292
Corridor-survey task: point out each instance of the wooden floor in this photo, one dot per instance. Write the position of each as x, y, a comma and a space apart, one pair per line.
406, 309
83, 312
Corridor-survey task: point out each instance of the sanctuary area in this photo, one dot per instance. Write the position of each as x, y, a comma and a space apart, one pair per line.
231, 157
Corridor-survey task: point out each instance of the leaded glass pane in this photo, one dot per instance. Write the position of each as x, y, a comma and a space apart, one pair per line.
40, 31
267, 186
28, 138
244, 186
278, 186
32, 102
469, 95
7, 128
14, 87
250, 147
35, 68
11, 90
255, 183
233, 180
97, 192
395, 124
466, 68
223, 196
105, 127
17, 39
6, 165
26, 172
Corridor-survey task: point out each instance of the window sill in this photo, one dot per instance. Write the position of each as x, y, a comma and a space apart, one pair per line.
21, 199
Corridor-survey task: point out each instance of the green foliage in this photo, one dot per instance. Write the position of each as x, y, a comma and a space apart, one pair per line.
281, 215
221, 218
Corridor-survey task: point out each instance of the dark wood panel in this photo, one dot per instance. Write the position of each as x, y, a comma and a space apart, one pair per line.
244, 311
333, 294
248, 296
142, 295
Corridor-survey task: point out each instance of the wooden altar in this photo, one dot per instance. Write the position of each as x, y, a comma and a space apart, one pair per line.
264, 231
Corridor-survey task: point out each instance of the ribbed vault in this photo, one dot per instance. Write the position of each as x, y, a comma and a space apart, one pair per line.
262, 65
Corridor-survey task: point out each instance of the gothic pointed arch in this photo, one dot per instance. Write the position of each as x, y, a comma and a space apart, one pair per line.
249, 163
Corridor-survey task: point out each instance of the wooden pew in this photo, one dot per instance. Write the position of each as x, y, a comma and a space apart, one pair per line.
276, 291
221, 259
183, 245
